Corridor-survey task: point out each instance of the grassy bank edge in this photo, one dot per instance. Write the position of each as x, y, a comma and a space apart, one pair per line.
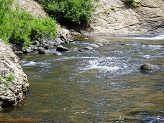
19, 26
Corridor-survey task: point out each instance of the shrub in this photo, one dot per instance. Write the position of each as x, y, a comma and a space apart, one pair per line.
131, 3
20, 26
69, 11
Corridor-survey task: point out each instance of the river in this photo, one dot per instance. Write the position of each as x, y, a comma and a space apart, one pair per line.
104, 85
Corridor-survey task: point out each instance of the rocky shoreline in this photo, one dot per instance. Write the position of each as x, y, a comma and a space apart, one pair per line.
13, 81
42, 47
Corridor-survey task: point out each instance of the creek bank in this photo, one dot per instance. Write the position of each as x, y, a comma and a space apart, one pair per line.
51, 46
13, 82
113, 17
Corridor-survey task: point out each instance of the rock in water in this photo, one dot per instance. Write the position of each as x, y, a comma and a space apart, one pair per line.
61, 48
13, 81
148, 67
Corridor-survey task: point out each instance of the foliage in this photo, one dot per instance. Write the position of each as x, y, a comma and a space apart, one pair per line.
7, 83
7, 79
20, 26
69, 11
10, 77
113, 9
132, 3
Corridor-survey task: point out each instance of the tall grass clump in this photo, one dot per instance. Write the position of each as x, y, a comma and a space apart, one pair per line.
69, 11
20, 26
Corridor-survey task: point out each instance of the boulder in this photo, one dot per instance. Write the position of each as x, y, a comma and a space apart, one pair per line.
27, 50
36, 43
61, 48
148, 67
41, 50
59, 41
13, 81
18, 53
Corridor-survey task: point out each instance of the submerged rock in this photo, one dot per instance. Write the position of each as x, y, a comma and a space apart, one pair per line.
102, 41
148, 67
94, 45
13, 81
152, 119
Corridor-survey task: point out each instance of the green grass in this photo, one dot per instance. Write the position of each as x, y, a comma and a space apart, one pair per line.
20, 26
10, 77
7, 79
6, 83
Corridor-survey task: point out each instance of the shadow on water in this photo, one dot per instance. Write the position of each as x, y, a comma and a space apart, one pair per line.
104, 85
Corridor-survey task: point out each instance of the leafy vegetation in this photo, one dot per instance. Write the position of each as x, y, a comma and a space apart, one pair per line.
69, 11
7, 79
10, 77
20, 26
132, 3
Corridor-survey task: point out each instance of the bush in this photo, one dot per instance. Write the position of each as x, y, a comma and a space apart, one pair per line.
69, 11
131, 3
20, 26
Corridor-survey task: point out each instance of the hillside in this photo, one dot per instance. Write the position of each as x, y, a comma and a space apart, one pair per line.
112, 17
36, 9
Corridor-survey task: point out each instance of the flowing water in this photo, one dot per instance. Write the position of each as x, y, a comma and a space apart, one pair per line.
104, 85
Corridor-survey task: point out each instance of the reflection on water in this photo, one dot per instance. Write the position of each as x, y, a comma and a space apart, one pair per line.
101, 86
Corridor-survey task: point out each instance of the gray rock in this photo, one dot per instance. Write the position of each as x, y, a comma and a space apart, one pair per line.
33, 48
41, 50
62, 48
52, 43
19, 53
83, 49
12, 92
46, 46
148, 67
94, 45
57, 53
36, 43
63, 38
70, 40
48, 52
59, 41
27, 50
